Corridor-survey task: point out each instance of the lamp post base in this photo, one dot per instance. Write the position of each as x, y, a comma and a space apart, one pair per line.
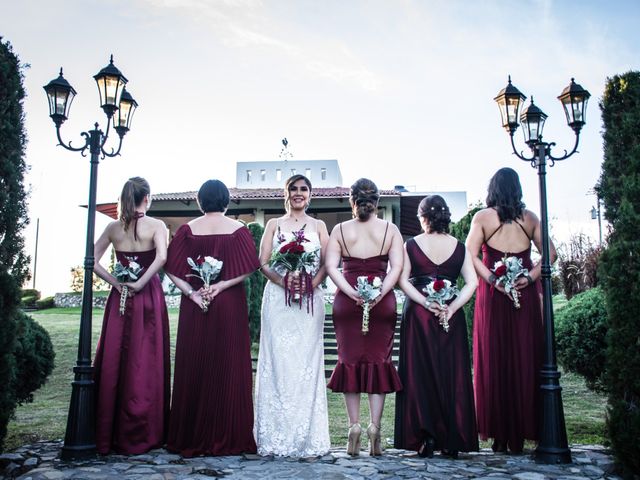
80, 437
552, 455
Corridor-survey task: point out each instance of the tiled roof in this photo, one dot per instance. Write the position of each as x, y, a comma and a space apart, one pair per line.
257, 193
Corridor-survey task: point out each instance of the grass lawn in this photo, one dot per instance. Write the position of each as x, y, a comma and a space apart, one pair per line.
45, 418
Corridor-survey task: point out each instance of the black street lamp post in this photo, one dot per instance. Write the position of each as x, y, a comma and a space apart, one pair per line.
79, 442
553, 446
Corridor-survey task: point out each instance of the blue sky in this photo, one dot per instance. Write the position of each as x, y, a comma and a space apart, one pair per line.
399, 91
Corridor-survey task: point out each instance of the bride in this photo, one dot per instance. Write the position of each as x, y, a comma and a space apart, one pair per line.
291, 416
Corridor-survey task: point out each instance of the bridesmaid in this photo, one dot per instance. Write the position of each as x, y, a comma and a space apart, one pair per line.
132, 359
435, 409
507, 342
211, 409
367, 246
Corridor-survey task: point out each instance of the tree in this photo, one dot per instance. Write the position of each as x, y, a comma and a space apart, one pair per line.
13, 218
255, 287
619, 272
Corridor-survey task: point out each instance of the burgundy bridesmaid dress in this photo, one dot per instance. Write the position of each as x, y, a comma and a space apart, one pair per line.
507, 344
364, 360
132, 369
435, 368
212, 407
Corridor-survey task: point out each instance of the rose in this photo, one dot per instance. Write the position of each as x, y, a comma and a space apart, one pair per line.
438, 285
133, 265
200, 260
292, 247
377, 282
371, 278
501, 270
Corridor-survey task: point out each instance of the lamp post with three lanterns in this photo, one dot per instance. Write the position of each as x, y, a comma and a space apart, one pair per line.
119, 106
553, 447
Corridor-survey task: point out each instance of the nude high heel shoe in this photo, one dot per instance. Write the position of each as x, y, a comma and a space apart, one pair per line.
353, 443
373, 432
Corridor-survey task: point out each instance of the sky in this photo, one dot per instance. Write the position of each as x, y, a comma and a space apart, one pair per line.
400, 91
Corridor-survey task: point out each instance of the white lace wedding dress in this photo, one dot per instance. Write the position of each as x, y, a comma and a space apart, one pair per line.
291, 416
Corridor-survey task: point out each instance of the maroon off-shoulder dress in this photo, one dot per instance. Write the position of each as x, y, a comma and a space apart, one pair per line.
364, 361
132, 369
507, 344
435, 368
212, 408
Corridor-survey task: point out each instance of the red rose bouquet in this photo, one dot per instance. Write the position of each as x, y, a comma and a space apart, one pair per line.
297, 260
507, 272
441, 291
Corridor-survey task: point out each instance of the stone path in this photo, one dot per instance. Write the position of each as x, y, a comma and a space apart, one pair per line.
40, 461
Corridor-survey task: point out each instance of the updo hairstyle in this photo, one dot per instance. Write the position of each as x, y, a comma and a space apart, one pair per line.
133, 193
364, 198
436, 212
290, 181
213, 196
505, 195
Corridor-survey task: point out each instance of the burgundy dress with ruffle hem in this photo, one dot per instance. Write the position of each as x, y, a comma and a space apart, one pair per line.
435, 368
364, 360
212, 407
132, 369
507, 344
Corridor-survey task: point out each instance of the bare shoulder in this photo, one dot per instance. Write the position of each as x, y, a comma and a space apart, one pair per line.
114, 227
530, 217
234, 224
320, 225
485, 215
157, 223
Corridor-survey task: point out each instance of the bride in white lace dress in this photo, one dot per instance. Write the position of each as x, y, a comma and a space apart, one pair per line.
291, 416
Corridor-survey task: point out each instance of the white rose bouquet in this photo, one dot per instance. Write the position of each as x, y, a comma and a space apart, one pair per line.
126, 271
207, 269
369, 287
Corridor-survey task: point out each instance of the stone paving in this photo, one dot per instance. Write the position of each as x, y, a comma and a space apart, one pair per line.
40, 462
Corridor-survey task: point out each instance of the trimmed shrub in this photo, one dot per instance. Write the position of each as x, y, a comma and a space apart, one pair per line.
31, 292
28, 301
34, 358
619, 272
581, 330
47, 302
255, 287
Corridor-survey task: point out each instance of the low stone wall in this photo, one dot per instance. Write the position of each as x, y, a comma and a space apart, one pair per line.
66, 300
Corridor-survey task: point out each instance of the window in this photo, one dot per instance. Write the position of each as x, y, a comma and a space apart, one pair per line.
307, 173
323, 173
248, 176
263, 175
278, 175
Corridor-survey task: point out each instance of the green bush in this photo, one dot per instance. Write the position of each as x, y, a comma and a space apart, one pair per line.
34, 358
255, 287
619, 270
581, 330
47, 302
28, 301
30, 292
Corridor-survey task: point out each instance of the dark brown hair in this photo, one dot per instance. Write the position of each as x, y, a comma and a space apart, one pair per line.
505, 195
435, 210
364, 198
133, 193
290, 181
213, 196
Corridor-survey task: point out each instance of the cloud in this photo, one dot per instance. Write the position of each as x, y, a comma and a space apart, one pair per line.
245, 24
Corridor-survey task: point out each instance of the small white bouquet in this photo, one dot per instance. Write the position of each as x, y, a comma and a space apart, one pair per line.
126, 271
207, 269
369, 288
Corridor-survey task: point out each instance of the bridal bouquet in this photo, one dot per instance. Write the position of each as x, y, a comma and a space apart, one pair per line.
207, 269
297, 259
441, 291
369, 288
507, 272
126, 271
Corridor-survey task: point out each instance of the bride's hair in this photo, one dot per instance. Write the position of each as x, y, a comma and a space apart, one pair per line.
133, 193
290, 181
505, 195
436, 212
364, 198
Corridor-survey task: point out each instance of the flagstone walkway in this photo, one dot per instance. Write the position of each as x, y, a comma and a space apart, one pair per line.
40, 461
